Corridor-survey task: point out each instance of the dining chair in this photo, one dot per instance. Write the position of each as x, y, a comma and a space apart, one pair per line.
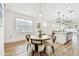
28, 42
40, 45
28, 37
51, 43
53, 37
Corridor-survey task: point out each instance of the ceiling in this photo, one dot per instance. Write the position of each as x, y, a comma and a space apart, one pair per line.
48, 10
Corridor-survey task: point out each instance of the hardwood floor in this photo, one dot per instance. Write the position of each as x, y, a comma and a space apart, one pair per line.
14, 48
20, 49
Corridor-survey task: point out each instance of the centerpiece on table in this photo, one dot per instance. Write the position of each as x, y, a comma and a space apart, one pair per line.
39, 30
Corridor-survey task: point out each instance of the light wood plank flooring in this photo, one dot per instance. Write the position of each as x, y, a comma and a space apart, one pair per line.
20, 49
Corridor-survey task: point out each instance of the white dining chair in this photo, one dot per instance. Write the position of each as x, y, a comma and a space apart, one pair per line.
50, 47
41, 46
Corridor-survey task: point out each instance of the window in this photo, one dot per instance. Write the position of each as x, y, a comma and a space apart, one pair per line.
23, 25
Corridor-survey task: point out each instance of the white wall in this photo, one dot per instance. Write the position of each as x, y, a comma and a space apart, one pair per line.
1, 41
1, 32
10, 26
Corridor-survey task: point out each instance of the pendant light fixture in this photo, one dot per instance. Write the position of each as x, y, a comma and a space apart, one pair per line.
40, 12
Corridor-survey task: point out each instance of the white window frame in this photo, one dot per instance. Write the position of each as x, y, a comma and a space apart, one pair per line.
28, 25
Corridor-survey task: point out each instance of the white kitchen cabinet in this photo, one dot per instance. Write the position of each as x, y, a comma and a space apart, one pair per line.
61, 37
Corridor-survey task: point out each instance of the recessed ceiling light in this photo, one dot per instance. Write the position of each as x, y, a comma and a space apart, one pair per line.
68, 7
74, 16
40, 15
28, 12
44, 24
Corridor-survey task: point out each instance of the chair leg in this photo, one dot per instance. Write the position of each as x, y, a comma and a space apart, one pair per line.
27, 47
45, 51
40, 53
53, 49
32, 53
54, 40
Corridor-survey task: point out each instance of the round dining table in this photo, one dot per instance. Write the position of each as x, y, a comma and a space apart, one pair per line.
36, 40
43, 38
